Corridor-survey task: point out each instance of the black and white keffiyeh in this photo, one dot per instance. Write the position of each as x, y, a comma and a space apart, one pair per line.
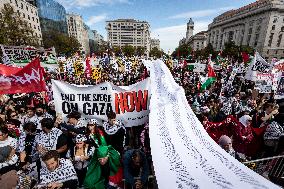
80, 124
64, 172
112, 129
49, 140
273, 131
81, 138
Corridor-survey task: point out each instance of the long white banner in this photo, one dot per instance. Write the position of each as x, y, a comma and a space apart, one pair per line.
130, 103
184, 155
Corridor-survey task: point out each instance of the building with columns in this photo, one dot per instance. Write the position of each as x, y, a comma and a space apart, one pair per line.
259, 25
132, 32
28, 13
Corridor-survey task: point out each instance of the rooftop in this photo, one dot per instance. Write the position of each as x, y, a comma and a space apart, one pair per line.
125, 20
248, 7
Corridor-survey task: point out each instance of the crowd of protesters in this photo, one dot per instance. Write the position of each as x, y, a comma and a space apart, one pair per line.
37, 148
242, 120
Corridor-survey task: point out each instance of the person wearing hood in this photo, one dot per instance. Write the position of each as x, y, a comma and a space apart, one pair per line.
243, 135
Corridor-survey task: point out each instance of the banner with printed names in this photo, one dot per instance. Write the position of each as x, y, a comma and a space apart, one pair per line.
21, 54
184, 155
130, 103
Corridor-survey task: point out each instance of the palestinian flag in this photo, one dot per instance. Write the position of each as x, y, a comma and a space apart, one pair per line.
211, 77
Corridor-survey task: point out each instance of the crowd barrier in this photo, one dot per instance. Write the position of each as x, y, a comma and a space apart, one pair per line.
271, 168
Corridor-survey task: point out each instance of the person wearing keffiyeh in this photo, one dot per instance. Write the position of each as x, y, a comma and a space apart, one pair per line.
58, 173
115, 132
81, 157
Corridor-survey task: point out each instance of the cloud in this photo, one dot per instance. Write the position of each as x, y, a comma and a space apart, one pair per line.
96, 19
201, 13
68, 4
170, 36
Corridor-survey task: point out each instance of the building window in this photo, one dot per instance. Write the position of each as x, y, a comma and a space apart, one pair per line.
258, 29
282, 28
24, 16
30, 24
38, 28
273, 27
34, 27
37, 20
279, 40
22, 6
250, 31
270, 39
251, 23
248, 41
275, 20
256, 40
33, 18
27, 8
267, 52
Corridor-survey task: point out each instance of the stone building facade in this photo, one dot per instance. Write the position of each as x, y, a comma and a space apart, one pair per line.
27, 12
132, 32
259, 25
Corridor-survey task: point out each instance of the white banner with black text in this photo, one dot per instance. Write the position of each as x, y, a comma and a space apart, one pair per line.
184, 155
130, 103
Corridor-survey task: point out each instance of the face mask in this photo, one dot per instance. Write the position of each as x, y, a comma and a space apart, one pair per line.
39, 113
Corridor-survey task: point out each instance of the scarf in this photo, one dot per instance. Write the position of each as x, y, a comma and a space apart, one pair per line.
80, 124
64, 172
273, 131
112, 129
49, 140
